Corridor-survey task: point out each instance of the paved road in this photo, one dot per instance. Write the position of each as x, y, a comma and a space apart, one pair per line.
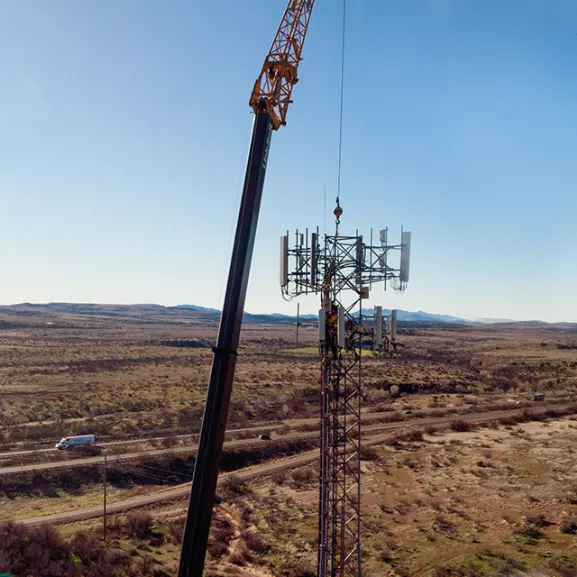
262, 469
183, 490
256, 430
472, 417
127, 456
169, 494
263, 428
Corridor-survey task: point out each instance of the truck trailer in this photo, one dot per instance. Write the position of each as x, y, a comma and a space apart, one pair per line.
68, 442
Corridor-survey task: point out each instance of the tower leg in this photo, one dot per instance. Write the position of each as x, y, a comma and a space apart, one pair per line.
339, 494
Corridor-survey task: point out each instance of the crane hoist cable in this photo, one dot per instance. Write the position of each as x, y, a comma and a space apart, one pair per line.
342, 100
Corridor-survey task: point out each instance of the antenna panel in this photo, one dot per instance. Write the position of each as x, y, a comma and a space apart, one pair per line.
394, 324
378, 338
360, 254
314, 258
322, 325
341, 333
405, 256
284, 257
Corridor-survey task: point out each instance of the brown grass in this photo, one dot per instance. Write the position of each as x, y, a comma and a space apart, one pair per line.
476, 508
137, 374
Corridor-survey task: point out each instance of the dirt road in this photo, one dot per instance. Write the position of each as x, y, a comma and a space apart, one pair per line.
262, 469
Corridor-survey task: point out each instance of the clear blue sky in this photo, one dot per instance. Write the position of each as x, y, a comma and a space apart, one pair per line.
124, 128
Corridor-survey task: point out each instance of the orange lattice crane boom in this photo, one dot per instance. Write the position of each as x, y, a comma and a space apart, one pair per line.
273, 88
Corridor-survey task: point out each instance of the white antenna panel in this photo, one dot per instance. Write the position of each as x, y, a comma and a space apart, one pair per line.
322, 325
405, 256
341, 328
394, 324
378, 339
284, 257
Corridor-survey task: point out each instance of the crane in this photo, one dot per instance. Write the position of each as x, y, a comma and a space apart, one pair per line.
273, 88
270, 100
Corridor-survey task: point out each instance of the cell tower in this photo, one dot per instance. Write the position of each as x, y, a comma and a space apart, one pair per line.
329, 266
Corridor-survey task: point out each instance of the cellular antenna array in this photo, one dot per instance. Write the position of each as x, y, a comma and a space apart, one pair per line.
330, 266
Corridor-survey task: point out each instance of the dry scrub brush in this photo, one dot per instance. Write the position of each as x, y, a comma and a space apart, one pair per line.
42, 552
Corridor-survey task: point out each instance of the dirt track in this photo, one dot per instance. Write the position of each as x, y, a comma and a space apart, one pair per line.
262, 469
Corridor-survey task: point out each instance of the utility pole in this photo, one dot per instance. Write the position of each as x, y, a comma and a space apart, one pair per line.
298, 322
105, 483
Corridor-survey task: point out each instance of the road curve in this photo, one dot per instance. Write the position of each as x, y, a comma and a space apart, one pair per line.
257, 470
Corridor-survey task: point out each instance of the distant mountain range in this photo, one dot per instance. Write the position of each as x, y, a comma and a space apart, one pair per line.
188, 311
491, 321
196, 313
402, 315
195, 308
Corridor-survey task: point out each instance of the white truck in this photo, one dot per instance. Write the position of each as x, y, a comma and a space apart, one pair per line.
68, 442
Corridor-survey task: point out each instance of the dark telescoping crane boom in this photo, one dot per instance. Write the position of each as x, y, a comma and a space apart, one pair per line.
270, 100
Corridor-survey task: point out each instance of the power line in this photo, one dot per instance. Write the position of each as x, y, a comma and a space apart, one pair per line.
132, 471
165, 470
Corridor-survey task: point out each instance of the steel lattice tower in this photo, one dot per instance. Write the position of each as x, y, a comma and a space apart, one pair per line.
339, 488
343, 263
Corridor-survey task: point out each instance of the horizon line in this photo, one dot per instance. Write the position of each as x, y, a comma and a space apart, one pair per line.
494, 320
